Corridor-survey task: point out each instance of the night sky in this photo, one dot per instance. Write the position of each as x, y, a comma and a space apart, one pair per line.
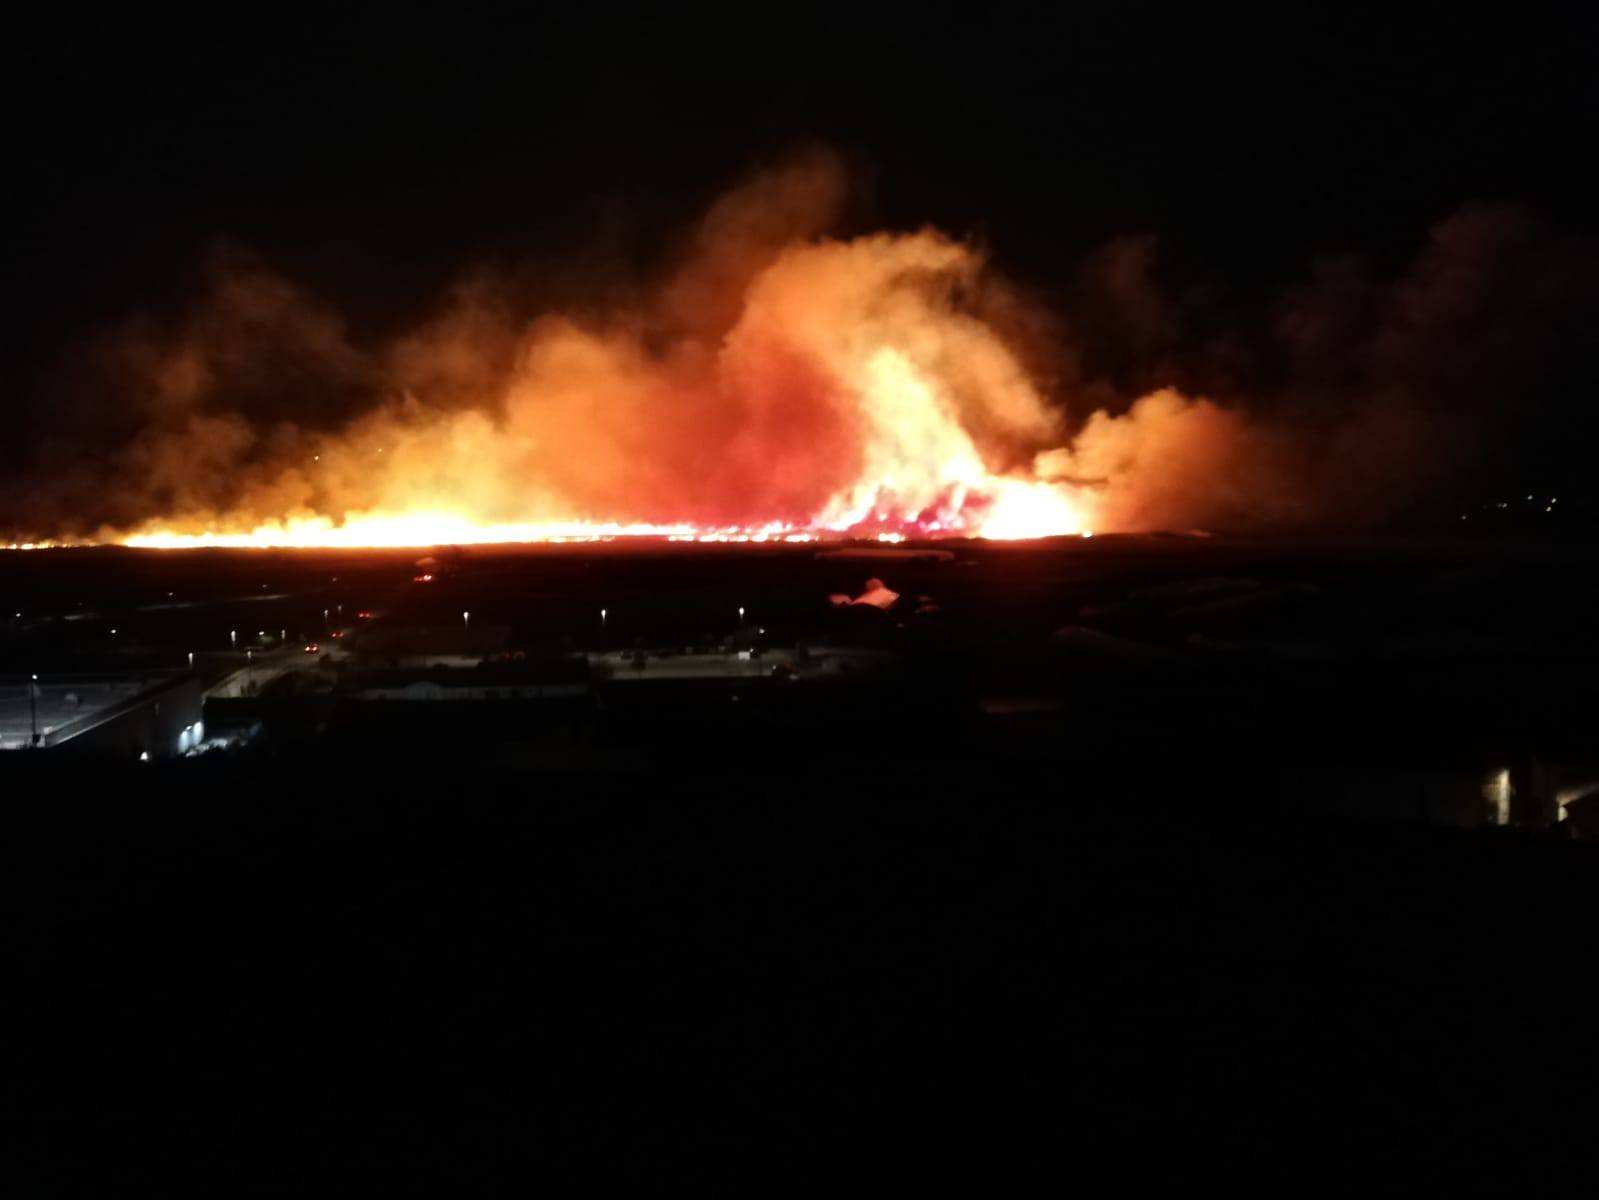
371, 153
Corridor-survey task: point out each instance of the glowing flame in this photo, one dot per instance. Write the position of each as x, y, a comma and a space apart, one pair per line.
781, 386
923, 477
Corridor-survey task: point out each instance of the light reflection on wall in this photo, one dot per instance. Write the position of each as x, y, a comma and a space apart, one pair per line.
1496, 790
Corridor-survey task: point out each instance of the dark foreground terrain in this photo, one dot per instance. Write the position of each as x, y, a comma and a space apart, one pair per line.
280, 972
1127, 874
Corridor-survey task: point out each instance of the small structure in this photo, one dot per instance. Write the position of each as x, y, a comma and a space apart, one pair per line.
877, 595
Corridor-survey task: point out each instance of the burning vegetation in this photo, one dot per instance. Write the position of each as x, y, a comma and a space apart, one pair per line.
779, 383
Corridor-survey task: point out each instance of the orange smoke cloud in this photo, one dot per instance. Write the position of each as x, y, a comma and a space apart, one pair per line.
782, 383
778, 383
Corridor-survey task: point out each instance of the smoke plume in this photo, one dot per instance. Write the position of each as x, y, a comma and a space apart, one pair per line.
780, 377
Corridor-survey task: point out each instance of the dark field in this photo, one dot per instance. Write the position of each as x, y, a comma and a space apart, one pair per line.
1147, 859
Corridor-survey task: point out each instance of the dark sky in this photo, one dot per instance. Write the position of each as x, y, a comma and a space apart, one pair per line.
370, 152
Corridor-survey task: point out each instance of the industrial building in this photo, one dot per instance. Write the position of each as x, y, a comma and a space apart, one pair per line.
553, 679
142, 714
412, 647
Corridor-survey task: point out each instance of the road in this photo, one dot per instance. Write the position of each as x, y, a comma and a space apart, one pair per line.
265, 666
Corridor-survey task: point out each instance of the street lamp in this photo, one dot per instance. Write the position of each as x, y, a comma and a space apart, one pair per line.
233, 638
602, 630
191, 660
33, 711
466, 620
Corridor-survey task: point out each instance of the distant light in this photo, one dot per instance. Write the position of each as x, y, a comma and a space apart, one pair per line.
1088, 533
113, 633
602, 614
36, 679
144, 756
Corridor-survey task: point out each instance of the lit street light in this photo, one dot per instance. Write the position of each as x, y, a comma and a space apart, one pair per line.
191, 660
233, 638
466, 620
33, 711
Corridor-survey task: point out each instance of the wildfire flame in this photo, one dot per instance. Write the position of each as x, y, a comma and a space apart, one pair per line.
779, 386
774, 382
924, 478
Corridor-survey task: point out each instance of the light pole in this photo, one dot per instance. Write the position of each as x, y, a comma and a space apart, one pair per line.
466, 620
33, 711
602, 631
249, 662
191, 660
233, 638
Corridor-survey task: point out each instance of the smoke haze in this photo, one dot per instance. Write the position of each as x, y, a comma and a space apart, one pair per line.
780, 375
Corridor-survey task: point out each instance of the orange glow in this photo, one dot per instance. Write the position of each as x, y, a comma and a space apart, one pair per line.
922, 477
780, 386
